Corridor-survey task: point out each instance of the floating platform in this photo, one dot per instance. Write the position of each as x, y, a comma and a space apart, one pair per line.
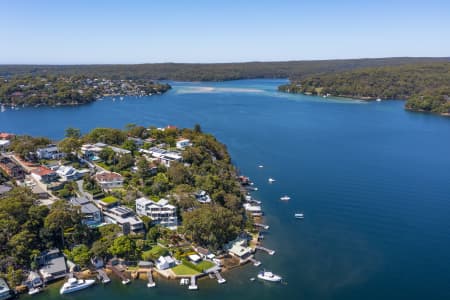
219, 277
255, 262
150, 283
103, 276
192, 284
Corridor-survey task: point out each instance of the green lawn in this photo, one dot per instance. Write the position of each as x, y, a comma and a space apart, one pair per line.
182, 270
205, 265
109, 200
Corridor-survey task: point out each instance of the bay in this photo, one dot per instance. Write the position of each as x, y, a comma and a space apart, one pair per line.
372, 179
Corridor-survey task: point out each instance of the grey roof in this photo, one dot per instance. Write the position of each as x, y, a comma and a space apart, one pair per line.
4, 189
55, 265
3, 286
89, 208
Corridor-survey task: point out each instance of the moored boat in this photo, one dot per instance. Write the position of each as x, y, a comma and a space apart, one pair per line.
34, 291
269, 276
285, 198
299, 216
73, 285
271, 180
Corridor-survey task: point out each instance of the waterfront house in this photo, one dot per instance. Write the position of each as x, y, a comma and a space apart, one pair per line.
239, 248
125, 218
90, 152
109, 180
160, 212
11, 168
52, 265
120, 151
44, 174
49, 152
91, 214
254, 210
4, 145
33, 280
165, 262
183, 143
163, 156
5, 292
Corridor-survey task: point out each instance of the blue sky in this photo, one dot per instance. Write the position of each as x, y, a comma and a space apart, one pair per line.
97, 31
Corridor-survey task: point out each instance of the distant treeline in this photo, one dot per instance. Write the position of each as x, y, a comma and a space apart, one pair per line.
294, 70
425, 86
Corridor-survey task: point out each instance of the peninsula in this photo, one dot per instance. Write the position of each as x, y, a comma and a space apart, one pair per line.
163, 200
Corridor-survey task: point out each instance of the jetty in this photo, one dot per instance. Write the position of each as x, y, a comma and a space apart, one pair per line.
219, 277
125, 280
268, 251
255, 262
151, 282
103, 277
266, 227
192, 284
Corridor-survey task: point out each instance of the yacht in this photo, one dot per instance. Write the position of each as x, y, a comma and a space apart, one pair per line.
269, 276
285, 198
271, 180
299, 216
73, 285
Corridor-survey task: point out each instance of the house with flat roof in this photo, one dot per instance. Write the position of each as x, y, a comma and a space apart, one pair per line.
49, 152
52, 265
92, 216
11, 168
163, 156
160, 212
183, 143
239, 248
4, 144
69, 173
125, 218
5, 291
165, 262
109, 180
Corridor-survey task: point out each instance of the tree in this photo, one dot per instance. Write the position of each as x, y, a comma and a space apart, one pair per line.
69, 145
197, 128
73, 133
123, 247
80, 255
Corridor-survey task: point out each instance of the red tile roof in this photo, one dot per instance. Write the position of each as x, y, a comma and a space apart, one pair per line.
108, 176
42, 171
6, 136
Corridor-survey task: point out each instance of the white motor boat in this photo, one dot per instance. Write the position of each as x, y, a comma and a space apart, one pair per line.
285, 198
34, 291
269, 276
271, 180
378, 99
73, 285
184, 281
299, 216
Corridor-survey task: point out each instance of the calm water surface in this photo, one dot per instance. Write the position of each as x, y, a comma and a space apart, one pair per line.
372, 180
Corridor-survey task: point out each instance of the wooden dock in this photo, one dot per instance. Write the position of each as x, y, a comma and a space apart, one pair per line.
150, 283
103, 276
125, 280
192, 284
268, 251
255, 262
219, 277
266, 227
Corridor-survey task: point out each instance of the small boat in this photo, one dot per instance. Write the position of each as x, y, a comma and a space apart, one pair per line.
271, 180
184, 281
126, 281
299, 216
121, 98
252, 279
34, 291
74, 284
269, 276
106, 280
260, 166
378, 99
285, 198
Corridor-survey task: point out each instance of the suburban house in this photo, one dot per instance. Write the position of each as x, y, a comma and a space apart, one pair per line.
202, 197
91, 151
44, 174
163, 156
165, 262
11, 168
109, 180
204, 253
239, 248
183, 143
69, 173
160, 212
49, 152
6, 136
254, 210
125, 218
120, 151
4, 144
137, 141
5, 292
53, 265
91, 214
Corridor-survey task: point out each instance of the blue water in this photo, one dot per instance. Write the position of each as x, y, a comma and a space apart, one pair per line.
372, 179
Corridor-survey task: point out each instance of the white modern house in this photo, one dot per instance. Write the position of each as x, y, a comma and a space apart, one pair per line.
49, 152
183, 143
91, 214
109, 180
162, 155
254, 210
165, 262
69, 173
202, 197
160, 212
124, 217
4, 144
